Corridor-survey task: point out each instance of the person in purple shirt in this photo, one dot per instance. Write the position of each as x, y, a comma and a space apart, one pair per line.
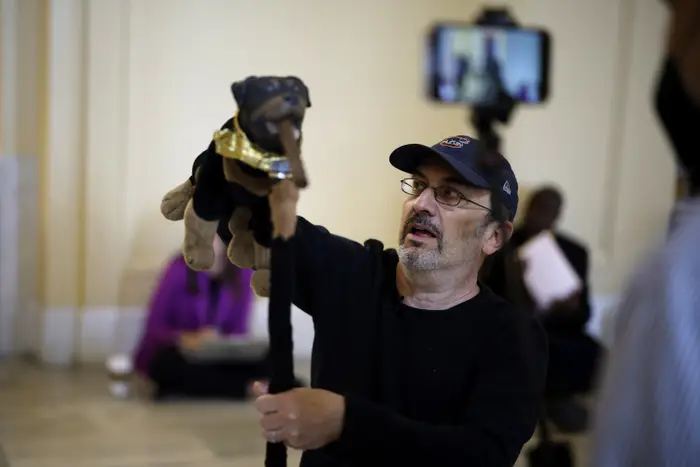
186, 308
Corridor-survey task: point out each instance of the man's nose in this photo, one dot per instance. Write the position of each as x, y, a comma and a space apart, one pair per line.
426, 202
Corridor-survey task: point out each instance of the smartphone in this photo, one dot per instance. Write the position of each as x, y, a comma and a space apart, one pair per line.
470, 64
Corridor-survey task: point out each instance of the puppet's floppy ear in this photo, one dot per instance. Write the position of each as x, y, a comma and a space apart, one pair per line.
239, 90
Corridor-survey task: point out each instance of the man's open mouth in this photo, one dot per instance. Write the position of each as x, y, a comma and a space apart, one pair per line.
422, 231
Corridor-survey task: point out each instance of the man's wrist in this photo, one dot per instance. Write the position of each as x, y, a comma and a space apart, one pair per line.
361, 423
337, 417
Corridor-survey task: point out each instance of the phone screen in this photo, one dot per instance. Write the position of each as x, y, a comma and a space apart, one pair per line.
470, 64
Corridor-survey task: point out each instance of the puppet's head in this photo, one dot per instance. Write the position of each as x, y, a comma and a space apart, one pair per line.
263, 101
265, 135
259, 146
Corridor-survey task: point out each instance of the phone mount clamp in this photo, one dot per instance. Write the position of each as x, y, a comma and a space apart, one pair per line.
501, 106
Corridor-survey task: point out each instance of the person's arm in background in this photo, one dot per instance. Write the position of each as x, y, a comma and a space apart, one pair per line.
501, 418
158, 327
243, 300
172, 284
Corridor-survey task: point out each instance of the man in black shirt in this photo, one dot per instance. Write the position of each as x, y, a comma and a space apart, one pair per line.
414, 361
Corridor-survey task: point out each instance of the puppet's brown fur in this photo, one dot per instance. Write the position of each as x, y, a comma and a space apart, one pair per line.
271, 111
242, 251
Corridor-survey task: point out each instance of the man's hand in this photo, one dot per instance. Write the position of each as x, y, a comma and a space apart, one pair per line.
302, 418
192, 340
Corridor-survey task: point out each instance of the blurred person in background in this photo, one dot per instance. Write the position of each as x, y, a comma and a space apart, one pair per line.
649, 407
573, 354
463, 70
186, 309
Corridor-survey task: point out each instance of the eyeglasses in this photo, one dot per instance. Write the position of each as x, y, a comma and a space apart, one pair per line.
444, 195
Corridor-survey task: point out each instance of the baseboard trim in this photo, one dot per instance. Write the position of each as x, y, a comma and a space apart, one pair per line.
89, 337
109, 330
302, 328
70, 337
58, 336
103, 331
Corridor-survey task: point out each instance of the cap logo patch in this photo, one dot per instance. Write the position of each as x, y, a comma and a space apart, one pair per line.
506, 187
455, 142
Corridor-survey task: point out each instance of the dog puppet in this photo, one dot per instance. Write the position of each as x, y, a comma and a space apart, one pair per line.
232, 178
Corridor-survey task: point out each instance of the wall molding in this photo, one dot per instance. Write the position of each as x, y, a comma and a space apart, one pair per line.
105, 144
58, 336
18, 239
62, 163
623, 73
9, 86
97, 333
94, 334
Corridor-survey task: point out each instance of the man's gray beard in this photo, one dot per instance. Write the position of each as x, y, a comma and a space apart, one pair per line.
415, 259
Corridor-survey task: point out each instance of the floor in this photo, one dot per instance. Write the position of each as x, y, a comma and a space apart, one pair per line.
61, 418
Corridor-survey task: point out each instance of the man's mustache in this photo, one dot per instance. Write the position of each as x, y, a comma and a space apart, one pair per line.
423, 220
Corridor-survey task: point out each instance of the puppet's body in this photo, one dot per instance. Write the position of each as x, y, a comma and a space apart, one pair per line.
236, 172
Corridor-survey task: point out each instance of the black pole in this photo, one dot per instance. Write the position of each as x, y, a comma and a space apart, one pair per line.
279, 324
501, 106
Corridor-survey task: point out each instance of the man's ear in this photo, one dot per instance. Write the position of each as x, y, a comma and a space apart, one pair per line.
497, 235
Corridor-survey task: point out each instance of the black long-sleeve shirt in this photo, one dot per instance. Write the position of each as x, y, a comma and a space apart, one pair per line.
455, 387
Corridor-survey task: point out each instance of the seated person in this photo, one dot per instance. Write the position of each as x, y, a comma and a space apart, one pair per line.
187, 308
574, 356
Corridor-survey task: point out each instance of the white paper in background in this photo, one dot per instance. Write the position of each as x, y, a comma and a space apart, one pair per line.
548, 274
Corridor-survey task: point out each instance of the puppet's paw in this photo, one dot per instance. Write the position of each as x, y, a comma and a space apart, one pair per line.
240, 218
260, 282
198, 249
241, 251
174, 202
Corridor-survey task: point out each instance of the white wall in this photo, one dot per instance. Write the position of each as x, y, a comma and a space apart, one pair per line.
362, 61
135, 89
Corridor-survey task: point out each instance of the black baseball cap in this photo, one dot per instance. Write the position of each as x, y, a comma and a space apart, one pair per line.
463, 154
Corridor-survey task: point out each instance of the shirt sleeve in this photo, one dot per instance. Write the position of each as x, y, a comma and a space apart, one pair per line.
500, 414
317, 254
648, 410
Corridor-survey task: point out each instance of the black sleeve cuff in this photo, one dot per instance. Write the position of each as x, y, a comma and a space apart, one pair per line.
363, 426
